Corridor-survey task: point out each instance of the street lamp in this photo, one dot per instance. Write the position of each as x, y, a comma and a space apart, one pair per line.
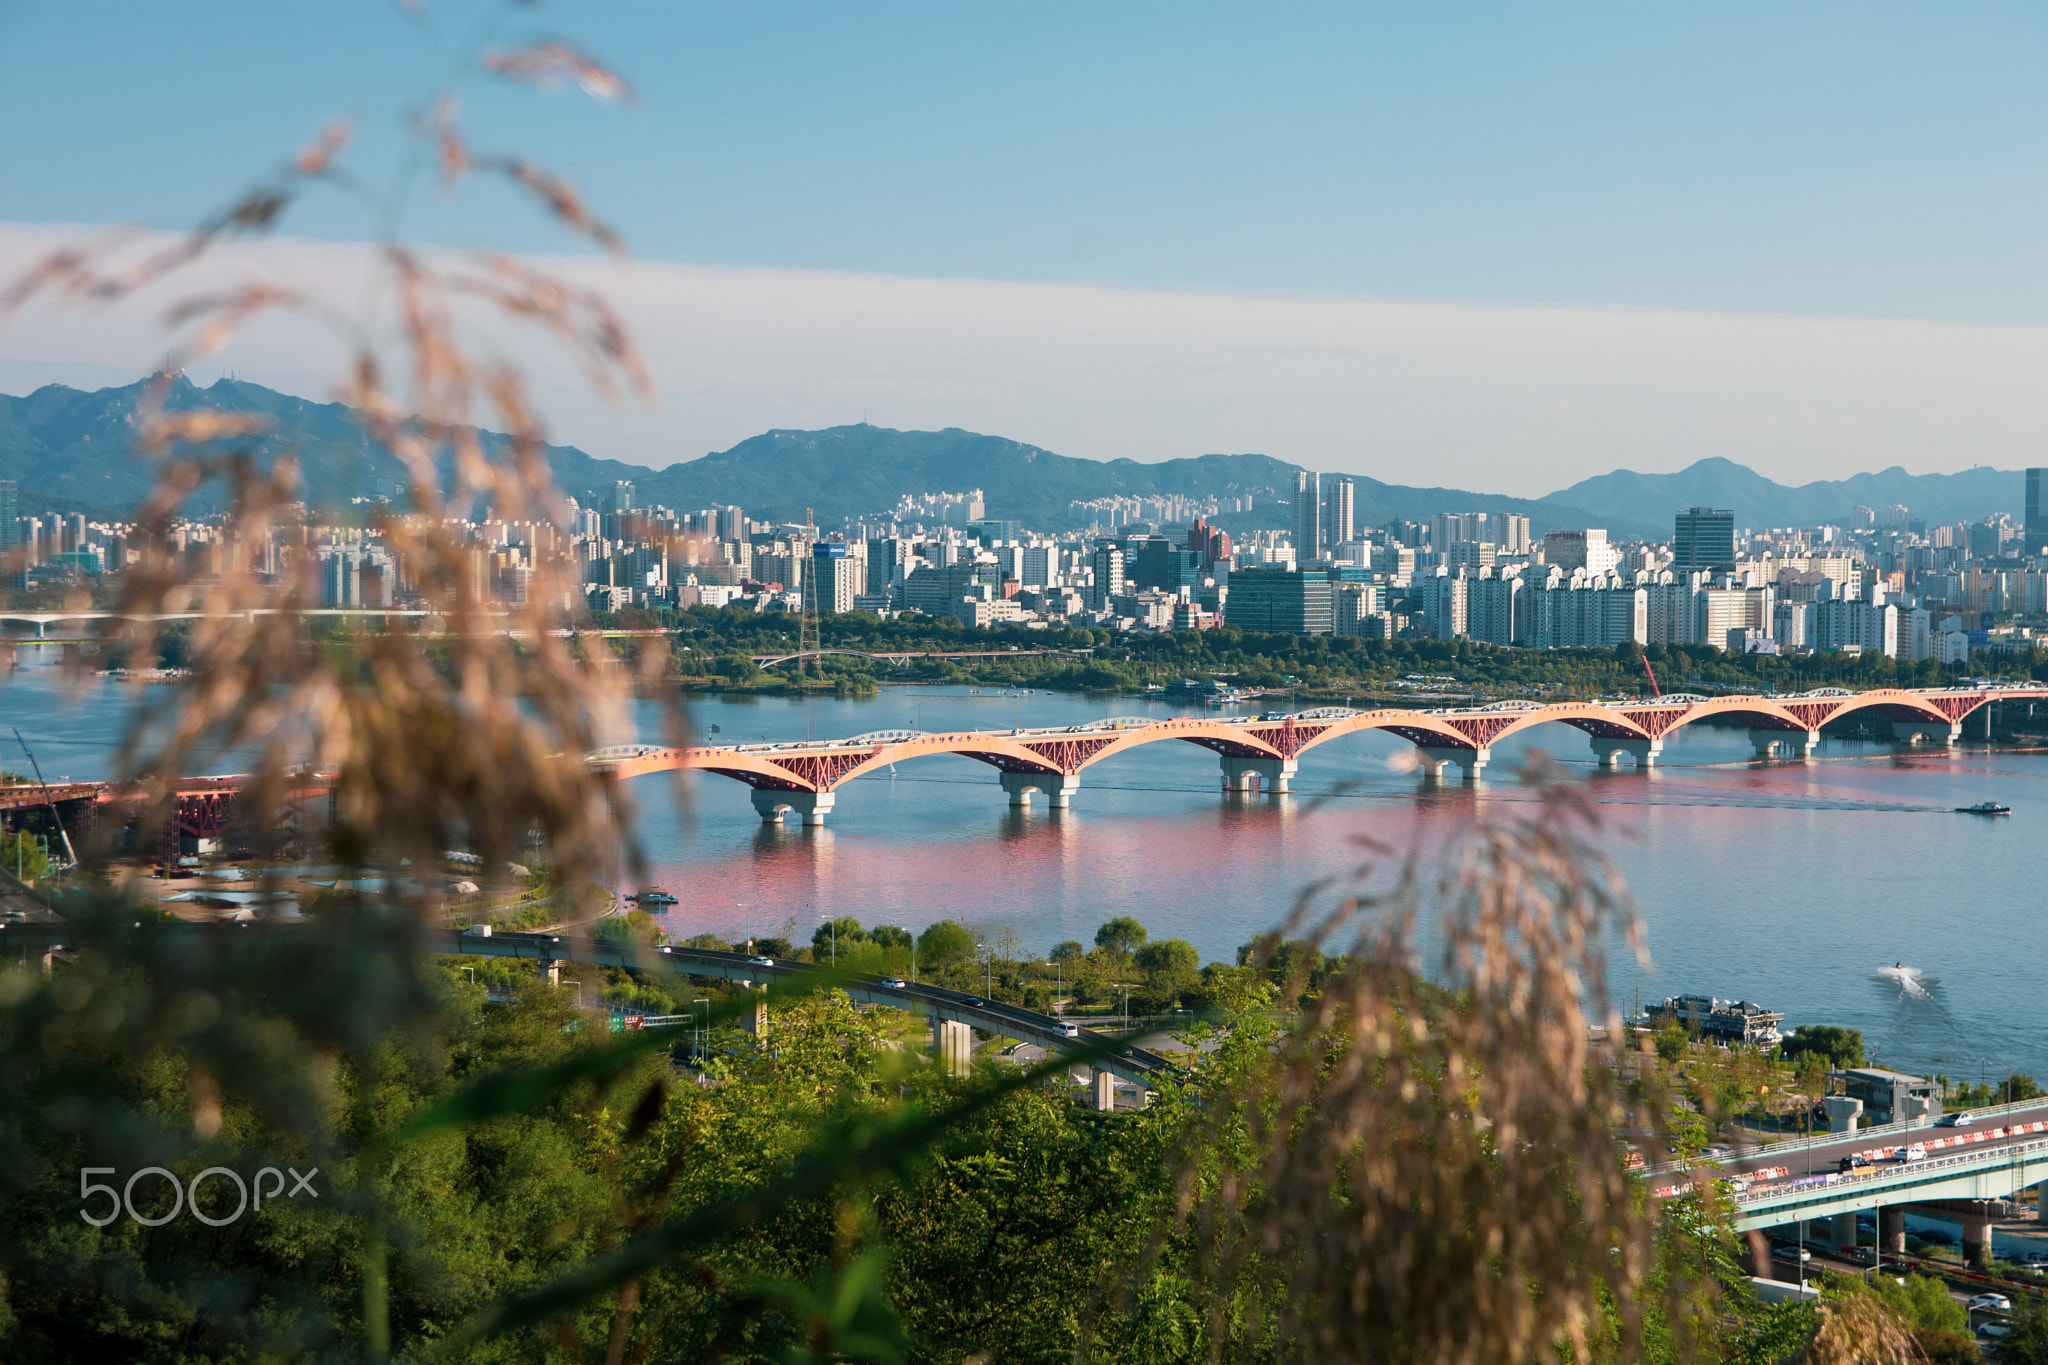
698, 1053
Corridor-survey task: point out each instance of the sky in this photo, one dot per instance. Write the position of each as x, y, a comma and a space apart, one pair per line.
1510, 246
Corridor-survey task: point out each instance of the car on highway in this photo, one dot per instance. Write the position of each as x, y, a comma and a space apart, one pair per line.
1916, 1152
1854, 1163
1069, 1029
761, 962
895, 983
1994, 1330
974, 1002
1990, 1303
1790, 1251
1962, 1118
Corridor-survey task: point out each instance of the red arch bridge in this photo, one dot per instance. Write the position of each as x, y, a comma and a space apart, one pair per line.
804, 777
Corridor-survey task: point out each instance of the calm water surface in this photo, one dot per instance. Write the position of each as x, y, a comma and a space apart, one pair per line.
1789, 884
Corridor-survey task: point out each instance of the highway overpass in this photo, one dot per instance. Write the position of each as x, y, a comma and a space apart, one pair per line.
2003, 1152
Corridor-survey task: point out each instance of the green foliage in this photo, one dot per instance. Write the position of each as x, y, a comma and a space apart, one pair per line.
1671, 1041
2027, 1344
845, 933
1122, 936
889, 936
1838, 1047
1066, 950
21, 856
946, 942
636, 926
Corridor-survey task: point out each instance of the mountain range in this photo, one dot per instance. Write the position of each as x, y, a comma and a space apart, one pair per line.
71, 450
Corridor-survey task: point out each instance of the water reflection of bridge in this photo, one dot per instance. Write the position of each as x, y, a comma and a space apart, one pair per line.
1264, 751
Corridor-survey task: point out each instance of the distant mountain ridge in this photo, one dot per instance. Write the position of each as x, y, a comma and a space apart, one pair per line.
71, 450
1758, 501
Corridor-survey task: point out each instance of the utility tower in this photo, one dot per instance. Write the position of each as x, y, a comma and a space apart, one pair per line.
807, 632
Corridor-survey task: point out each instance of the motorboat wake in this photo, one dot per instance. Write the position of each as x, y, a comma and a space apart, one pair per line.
1909, 980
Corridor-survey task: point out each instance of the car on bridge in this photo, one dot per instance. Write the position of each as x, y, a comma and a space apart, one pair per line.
1962, 1118
895, 983
1990, 1303
1916, 1152
760, 962
1856, 1162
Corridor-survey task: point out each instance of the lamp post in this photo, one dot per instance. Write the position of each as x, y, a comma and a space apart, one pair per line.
698, 1053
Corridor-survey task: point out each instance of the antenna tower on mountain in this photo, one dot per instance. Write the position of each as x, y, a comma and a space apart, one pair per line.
807, 633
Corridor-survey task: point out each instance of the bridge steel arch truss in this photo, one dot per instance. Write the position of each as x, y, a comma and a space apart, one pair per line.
1053, 760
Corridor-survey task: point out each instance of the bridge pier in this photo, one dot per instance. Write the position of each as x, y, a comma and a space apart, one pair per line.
1275, 775
1918, 732
1842, 1230
1798, 744
1644, 751
1470, 760
1105, 1092
953, 1046
1976, 1240
551, 968
1891, 1230
1058, 788
755, 1020
813, 807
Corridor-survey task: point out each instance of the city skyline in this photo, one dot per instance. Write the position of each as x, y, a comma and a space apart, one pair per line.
1413, 237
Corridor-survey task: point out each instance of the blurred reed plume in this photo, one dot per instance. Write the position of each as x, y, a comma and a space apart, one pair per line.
1432, 1173
461, 726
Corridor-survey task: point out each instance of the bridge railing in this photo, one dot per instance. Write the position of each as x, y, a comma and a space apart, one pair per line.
1877, 1177
1829, 1138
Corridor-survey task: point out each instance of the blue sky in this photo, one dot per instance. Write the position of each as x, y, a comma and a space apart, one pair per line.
1879, 161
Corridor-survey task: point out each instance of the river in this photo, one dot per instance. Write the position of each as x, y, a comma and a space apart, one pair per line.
1790, 884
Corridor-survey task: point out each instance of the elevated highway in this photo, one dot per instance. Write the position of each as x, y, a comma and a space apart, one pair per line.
1997, 1157
802, 778
952, 1013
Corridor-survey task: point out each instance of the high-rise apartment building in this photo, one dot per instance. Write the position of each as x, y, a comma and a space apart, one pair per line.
2037, 512
1340, 515
1703, 538
1308, 516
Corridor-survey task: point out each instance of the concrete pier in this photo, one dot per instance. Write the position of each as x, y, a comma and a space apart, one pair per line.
1842, 1230
1795, 744
1644, 751
755, 1020
812, 807
953, 1046
1921, 732
1470, 761
1275, 775
1105, 1092
1891, 1230
1059, 788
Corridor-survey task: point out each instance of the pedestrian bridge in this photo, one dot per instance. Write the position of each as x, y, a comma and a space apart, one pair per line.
802, 777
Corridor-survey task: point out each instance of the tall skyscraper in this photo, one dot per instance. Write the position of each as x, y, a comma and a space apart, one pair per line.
1340, 520
1703, 538
1308, 516
2037, 513
10, 510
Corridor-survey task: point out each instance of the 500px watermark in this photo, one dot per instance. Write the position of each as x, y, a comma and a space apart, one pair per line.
124, 1199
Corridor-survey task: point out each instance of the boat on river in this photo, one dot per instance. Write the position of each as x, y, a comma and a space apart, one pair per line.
1984, 808
653, 896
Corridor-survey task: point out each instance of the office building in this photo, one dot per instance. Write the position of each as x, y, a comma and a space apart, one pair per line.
1279, 601
1108, 564
1703, 538
1588, 550
841, 576
2037, 513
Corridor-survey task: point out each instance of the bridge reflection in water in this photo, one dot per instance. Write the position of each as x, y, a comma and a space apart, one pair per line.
1263, 752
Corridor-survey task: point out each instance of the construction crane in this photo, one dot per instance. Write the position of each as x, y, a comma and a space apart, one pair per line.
1655, 690
807, 630
70, 856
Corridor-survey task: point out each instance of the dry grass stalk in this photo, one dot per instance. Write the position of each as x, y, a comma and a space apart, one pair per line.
1435, 1184
470, 728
